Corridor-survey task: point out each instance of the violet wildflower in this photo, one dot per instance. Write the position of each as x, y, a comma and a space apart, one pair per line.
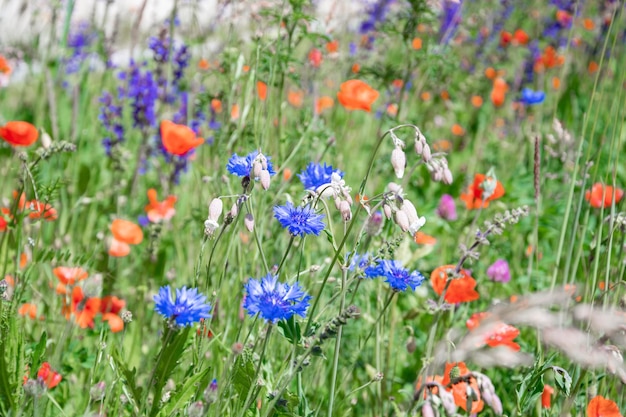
242, 165
142, 92
316, 174
398, 277
359, 261
499, 271
299, 220
79, 40
530, 97
376, 14
450, 19
111, 119
189, 306
273, 300
447, 208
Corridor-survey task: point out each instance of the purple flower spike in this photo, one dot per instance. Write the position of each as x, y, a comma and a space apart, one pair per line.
499, 271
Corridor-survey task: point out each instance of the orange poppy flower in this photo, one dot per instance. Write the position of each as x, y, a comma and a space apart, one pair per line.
477, 101
442, 145
392, 109
159, 211
110, 308
84, 309
234, 112
5, 68
50, 377
416, 44
423, 239
126, 231
425, 96
29, 310
445, 95
460, 389
588, 24
216, 105
332, 46
323, 103
118, 249
460, 290
116, 324
520, 37
39, 210
501, 335
5, 217
457, 130
178, 139
602, 407
602, 196
261, 89
295, 98
19, 133
549, 59
287, 174
556, 83
356, 68
498, 93
203, 64
68, 275
505, 38
593, 67
546, 396
474, 198
490, 73
357, 95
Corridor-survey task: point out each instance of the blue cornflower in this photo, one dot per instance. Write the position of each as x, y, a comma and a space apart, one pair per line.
242, 165
273, 300
360, 261
189, 307
316, 174
450, 19
398, 277
299, 220
530, 97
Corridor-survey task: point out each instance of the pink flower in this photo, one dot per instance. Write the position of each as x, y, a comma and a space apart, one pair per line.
499, 271
447, 208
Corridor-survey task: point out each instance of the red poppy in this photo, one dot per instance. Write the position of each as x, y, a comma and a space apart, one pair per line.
601, 195
84, 308
602, 407
332, 46
460, 389
424, 239
118, 249
159, 211
549, 59
315, 58
498, 93
505, 38
521, 37
28, 309
474, 198
50, 377
546, 396
110, 307
323, 103
178, 139
501, 335
5, 217
68, 275
261, 89
357, 95
460, 290
19, 133
295, 98
126, 231
39, 210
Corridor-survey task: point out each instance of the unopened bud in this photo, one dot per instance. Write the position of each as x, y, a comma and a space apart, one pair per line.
427, 410
447, 176
195, 409
46, 140
338, 202
387, 210
346, 214
248, 221
426, 155
398, 161
374, 224
437, 176
97, 391
402, 220
411, 345
264, 177
256, 169
234, 211
215, 209
419, 146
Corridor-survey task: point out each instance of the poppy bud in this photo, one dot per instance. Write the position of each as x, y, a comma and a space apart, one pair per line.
265, 179
398, 161
248, 221
215, 209
402, 220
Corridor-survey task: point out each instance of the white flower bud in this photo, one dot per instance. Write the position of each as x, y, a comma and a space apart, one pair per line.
248, 221
346, 214
402, 220
215, 209
426, 155
394, 188
46, 140
338, 203
447, 176
419, 146
234, 211
398, 161
427, 410
410, 210
264, 177
437, 176
256, 169
387, 210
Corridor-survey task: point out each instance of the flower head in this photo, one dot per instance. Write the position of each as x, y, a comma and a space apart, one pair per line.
602, 407
461, 390
159, 211
126, 231
460, 290
19, 133
273, 300
530, 97
68, 275
357, 95
499, 271
398, 277
500, 334
49, 376
178, 139
601, 195
477, 196
299, 220
242, 165
447, 208
546, 396
189, 306
317, 174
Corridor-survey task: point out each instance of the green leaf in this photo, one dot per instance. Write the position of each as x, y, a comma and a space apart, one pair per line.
84, 175
192, 385
38, 353
127, 376
290, 329
242, 374
563, 379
